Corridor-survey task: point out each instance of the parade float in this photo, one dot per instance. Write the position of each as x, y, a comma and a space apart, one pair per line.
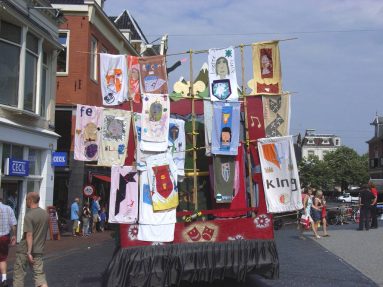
195, 173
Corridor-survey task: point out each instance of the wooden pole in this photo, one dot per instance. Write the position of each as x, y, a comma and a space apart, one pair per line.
247, 139
194, 134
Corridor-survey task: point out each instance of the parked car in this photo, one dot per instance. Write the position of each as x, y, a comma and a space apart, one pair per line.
346, 197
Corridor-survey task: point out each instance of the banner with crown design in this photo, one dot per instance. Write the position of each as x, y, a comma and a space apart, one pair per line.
280, 174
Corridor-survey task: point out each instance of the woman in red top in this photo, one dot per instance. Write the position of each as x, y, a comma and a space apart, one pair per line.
374, 209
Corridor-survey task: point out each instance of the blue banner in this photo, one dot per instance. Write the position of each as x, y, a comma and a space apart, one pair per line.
59, 159
18, 167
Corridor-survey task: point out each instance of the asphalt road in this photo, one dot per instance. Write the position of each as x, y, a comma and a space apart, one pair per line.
339, 260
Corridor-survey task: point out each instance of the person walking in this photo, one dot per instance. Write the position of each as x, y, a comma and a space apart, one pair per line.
322, 204
365, 201
374, 208
307, 204
7, 235
95, 208
75, 215
31, 247
86, 214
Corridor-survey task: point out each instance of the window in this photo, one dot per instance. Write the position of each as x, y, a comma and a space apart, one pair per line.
34, 159
63, 55
11, 151
30, 73
10, 45
44, 82
93, 59
337, 142
310, 152
325, 141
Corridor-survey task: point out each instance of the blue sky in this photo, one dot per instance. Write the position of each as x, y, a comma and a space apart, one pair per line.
334, 68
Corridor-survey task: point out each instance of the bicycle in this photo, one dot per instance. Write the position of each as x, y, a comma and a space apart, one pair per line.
345, 214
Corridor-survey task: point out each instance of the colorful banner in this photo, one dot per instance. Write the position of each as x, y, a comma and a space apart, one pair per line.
208, 125
134, 79
267, 77
154, 79
226, 126
224, 171
155, 121
222, 75
280, 174
177, 144
276, 115
114, 79
114, 137
87, 133
123, 202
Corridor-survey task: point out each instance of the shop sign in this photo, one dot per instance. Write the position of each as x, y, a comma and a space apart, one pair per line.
15, 167
59, 159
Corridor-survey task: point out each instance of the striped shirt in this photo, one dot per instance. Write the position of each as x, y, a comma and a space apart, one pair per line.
7, 219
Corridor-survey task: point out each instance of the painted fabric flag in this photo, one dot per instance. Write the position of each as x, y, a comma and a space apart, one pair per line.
114, 137
226, 127
177, 144
156, 233
162, 174
267, 76
280, 174
154, 79
134, 79
224, 172
276, 115
87, 133
147, 215
123, 202
155, 121
208, 124
114, 79
222, 75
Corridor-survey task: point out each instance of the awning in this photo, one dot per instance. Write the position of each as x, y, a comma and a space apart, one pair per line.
102, 177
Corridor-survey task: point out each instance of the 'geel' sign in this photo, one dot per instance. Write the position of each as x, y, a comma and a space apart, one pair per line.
59, 159
16, 167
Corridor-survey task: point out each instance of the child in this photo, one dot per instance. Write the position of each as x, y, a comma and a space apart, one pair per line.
102, 219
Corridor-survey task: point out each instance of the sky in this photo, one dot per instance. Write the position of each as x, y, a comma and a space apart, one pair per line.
334, 68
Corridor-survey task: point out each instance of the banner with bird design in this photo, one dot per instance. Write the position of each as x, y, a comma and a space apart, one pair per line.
276, 115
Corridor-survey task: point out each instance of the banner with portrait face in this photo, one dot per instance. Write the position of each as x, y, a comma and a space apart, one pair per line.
276, 115
87, 133
267, 77
280, 174
154, 79
134, 79
114, 137
222, 75
114, 79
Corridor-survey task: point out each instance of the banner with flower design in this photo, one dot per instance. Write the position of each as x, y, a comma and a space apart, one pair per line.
280, 174
114, 137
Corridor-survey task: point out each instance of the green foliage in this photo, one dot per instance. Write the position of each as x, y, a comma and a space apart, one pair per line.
342, 167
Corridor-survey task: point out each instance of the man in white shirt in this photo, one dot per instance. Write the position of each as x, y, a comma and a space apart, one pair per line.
7, 224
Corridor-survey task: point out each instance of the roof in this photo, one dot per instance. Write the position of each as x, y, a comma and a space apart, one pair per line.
318, 142
126, 22
68, 2
377, 120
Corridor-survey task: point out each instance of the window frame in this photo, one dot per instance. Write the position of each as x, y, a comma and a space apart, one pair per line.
67, 46
93, 61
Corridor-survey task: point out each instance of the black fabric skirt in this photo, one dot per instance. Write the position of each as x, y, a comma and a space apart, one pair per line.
166, 265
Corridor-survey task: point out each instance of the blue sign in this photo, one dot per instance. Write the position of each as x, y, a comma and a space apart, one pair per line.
59, 159
17, 167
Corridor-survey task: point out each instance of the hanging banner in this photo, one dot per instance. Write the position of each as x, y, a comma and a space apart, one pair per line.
123, 202
155, 121
177, 144
87, 133
222, 75
280, 174
224, 172
276, 115
208, 124
226, 126
134, 79
267, 77
114, 137
114, 79
154, 79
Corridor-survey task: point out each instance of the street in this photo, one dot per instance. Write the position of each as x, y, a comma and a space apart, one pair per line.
346, 258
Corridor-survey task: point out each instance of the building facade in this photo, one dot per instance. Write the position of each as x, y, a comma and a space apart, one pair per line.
29, 46
375, 150
318, 144
87, 32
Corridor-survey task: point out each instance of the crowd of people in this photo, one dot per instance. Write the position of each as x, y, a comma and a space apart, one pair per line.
88, 219
314, 212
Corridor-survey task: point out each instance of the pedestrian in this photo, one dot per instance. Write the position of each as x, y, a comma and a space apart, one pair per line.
7, 235
307, 204
86, 214
316, 213
374, 208
365, 201
320, 196
75, 215
102, 219
95, 208
31, 247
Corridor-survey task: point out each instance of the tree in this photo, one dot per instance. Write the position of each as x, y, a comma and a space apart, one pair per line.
312, 172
